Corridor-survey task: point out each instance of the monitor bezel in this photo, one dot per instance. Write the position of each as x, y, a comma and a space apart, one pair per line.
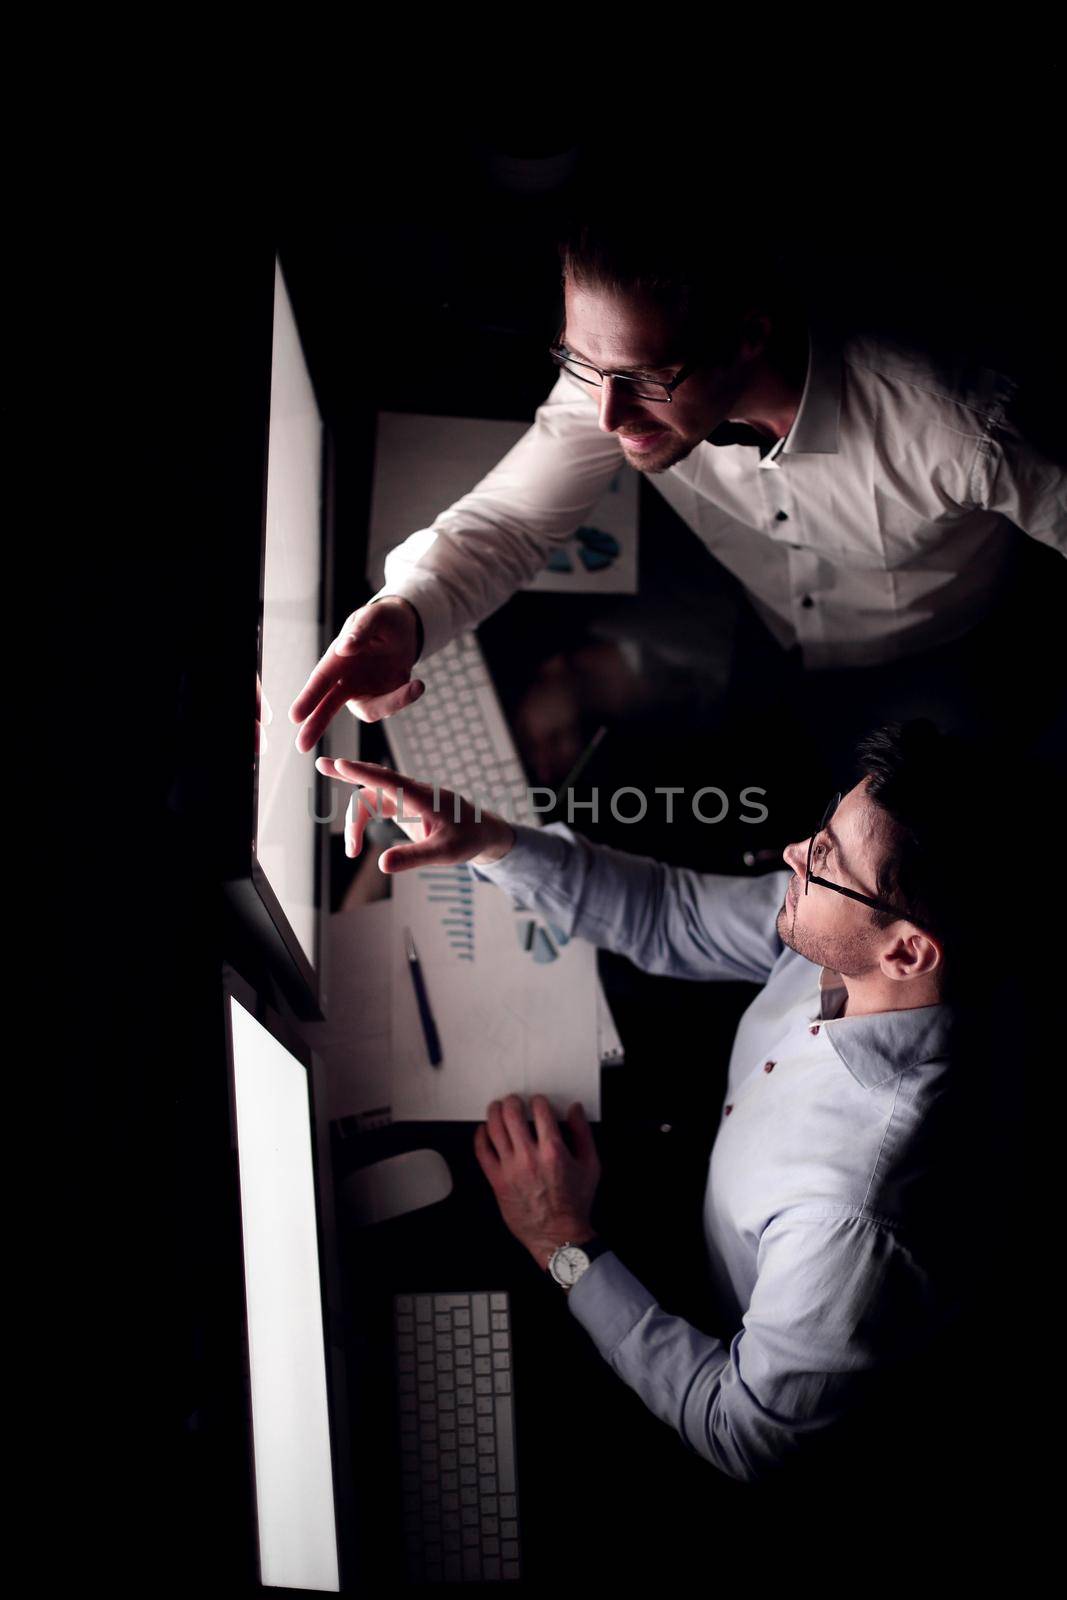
247, 885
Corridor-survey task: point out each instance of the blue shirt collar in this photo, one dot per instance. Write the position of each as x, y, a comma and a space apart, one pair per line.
882, 1044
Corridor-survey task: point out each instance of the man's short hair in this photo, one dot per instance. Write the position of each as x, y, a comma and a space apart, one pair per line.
939, 794
704, 261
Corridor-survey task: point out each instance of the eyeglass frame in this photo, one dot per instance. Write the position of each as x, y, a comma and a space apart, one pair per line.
562, 355
839, 888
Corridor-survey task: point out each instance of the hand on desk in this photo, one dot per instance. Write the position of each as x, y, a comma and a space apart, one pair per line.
439, 839
545, 1194
368, 668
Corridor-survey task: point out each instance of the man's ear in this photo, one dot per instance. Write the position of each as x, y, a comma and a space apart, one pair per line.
914, 954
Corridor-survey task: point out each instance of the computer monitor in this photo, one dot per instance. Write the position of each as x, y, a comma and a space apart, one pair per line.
278, 879
294, 1351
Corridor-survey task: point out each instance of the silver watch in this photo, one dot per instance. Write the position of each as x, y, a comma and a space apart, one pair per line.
569, 1261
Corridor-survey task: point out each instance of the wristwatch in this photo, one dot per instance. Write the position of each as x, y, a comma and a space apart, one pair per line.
567, 1264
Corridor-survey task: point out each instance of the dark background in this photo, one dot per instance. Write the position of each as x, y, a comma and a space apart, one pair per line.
419, 249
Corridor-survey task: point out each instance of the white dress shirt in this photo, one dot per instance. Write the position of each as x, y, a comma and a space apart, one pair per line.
879, 525
832, 1217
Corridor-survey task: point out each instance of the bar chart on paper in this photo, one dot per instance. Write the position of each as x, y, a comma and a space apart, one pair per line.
515, 1002
450, 892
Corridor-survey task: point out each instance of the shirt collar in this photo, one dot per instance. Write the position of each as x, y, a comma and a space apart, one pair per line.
882, 1044
815, 426
814, 430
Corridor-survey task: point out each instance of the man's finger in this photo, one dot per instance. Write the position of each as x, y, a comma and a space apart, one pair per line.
546, 1123
319, 684
430, 852
376, 708
418, 797
319, 720
514, 1113
487, 1156
356, 819
499, 1136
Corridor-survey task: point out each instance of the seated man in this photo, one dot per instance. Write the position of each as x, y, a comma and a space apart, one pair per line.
828, 1209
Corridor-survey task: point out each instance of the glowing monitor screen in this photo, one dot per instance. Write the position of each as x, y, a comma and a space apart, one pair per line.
287, 1354
285, 826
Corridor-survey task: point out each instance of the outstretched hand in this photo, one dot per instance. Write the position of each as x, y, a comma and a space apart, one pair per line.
367, 667
445, 828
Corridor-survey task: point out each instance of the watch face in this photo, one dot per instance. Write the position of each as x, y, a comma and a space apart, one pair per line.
569, 1264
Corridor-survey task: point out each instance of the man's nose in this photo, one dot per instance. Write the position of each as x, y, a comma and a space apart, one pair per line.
616, 406
795, 856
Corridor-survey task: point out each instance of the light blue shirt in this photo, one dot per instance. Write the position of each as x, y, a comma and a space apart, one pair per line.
827, 1238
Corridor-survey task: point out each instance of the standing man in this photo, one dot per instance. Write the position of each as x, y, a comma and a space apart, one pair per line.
866, 496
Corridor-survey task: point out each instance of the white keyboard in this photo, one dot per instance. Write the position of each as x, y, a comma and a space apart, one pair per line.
457, 1436
456, 734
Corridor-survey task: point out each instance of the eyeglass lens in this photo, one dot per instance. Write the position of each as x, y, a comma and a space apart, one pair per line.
826, 816
640, 388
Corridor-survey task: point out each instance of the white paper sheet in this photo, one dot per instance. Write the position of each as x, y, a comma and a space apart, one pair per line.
510, 1019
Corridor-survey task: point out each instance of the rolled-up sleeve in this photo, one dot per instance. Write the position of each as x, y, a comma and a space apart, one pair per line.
837, 1301
666, 919
492, 540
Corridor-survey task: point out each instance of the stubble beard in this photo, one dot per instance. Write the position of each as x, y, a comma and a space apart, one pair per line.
667, 453
850, 956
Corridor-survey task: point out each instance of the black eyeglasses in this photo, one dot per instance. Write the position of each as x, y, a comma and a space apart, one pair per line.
853, 894
639, 388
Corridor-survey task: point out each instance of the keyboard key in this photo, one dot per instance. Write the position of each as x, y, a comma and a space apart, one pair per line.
508, 1505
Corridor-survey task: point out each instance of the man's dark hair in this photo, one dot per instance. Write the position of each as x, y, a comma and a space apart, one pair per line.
937, 791
700, 256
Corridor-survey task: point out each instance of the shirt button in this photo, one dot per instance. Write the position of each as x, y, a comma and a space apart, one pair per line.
768, 1066
726, 1110
781, 516
807, 602
815, 1029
